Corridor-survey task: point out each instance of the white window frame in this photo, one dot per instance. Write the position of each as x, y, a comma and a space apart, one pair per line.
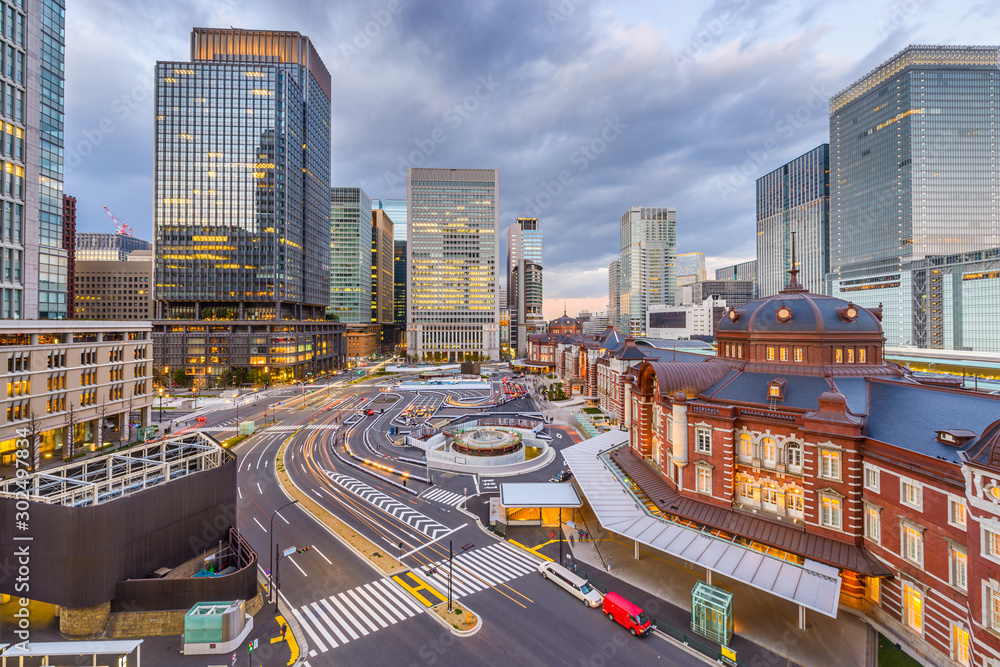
991, 545
748, 439
836, 517
703, 479
773, 460
908, 612
872, 478
703, 440
905, 486
791, 495
873, 523
772, 491
747, 483
960, 650
958, 566
830, 464
793, 446
992, 620
911, 542
873, 589
958, 513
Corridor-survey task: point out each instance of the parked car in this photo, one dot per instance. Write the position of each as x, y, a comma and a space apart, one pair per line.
369, 412
628, 615
571, 582
563, 476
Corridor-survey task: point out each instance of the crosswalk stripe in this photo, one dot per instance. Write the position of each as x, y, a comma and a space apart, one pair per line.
336, 629
507, 559
408, 604
318, 627
486, 569
516, 555
357, 614
342, 615
354, 593
369, 594
300, 617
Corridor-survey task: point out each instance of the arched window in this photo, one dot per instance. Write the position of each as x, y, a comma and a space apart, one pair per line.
793, 455
794, 504
746, 446
770, 451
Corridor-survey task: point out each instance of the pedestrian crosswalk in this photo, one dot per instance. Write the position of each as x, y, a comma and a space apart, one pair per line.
420, 522
477, 569
274, 429
442, 496
344, 617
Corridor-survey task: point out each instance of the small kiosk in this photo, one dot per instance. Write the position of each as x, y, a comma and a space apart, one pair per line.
712, 612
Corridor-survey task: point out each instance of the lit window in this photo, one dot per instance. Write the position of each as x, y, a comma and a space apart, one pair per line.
960, 645
913, 544
703, 440
911, 494
829, 464
770, 451
793, 455
838, 356
959, 567
774, 390
746, 446
992, 541
871, 478
744, 489
850, 355
873, 524
994, 609
830, 515
861, 355
872, 588
956, 513
770, 353
769, 496
704, 480
783, 353
913, 608
739, 351
794, 503
798, 354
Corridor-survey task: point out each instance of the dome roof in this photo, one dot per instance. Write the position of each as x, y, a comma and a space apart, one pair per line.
801, 312
564, 321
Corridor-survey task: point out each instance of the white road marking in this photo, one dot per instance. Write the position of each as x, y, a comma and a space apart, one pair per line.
260, 524
299, 568
330, 562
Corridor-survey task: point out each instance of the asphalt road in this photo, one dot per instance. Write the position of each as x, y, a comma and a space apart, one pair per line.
350, 613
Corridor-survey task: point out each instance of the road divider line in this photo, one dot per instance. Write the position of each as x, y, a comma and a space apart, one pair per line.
427, 544
298, 568
329, 562
260, 524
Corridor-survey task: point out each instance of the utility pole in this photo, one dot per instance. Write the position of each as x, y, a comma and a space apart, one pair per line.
271, 533
560, 537
450, 570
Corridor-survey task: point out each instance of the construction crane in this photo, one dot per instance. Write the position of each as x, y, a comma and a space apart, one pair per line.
121, 227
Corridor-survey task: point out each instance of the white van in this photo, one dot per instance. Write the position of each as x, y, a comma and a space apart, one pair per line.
576, 585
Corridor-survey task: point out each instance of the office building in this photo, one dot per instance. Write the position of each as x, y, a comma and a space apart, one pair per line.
734, 292
741, 271
647, 264
614, 294
242, 206
524, 281
113, 290
396, 210
690, 268
100, 247
69, 245
913, 177
597, 323
351, 237
685, 321
382, 271
453, 246
794, 198
399, 288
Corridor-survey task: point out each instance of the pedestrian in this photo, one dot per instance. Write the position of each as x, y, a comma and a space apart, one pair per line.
283, 628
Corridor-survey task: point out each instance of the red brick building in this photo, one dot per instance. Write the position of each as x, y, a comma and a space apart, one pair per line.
800, 441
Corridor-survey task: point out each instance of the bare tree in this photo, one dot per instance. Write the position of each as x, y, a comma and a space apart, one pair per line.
70, 443
128, 417
102, 416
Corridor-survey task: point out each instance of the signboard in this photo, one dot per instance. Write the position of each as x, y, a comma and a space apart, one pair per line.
289, 551
729, 656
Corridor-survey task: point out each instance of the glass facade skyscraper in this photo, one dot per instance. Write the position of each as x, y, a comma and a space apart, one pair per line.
647, 265
242, 173
350, 255
794, 198
524, 283
396, 210
453, 246
913, 147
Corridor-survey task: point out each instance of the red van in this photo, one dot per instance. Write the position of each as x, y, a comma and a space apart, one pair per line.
627, 614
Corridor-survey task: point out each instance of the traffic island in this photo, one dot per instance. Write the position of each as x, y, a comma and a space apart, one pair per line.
459, 620
364, 547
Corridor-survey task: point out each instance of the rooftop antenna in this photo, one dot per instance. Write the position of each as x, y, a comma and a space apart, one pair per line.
793, 273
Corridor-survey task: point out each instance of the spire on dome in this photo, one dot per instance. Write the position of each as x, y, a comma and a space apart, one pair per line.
793, 273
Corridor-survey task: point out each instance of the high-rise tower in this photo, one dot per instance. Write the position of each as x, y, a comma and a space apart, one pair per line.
647, 264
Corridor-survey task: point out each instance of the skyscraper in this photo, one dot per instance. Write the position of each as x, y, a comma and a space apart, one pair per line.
382, 277
690, 268
399, 284
396, 210
102, 247
242, 202
524, 283
351, 236
794, 198
453, 248
647, 264
913, 178
615, 294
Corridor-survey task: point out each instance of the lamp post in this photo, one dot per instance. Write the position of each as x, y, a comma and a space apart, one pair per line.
161, 405
271, 532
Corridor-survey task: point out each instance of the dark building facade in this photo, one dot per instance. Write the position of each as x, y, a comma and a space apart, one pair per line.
735, 292
69, 245
399, 290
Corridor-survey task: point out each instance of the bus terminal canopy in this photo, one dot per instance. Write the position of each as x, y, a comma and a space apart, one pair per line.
539, 494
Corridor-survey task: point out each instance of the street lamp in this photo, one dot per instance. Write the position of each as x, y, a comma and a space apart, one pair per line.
271, 532
161, 404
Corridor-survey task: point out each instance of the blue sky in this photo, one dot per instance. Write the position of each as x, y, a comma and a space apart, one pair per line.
587, 107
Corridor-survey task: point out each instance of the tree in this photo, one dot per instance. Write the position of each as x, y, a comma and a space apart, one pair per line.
128, 418
179, 377
240, 376
102, 416
437, 356
32, 435
159, 377
226, 379
70, 444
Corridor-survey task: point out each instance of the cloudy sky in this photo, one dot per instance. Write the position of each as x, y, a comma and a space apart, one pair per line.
586, 107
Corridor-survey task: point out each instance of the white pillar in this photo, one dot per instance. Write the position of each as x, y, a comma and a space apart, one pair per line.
708, 576
636, 549
628, 405
802, 617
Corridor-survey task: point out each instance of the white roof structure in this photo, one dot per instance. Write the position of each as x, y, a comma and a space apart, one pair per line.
539, 494
814, 586
108, 647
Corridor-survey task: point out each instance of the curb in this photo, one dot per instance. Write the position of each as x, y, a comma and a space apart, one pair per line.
458, 633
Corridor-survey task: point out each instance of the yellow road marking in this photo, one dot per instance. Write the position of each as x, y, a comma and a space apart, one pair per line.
532, 550
421, 585
293, 645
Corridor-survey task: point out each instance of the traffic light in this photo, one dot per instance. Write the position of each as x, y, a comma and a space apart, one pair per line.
303, 550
